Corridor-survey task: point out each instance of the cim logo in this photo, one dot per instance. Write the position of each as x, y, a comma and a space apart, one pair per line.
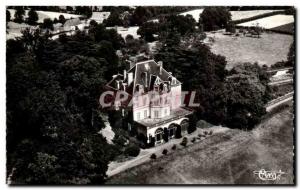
269, 175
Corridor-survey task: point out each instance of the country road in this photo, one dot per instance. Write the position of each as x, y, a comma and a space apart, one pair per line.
230, 157
281, 82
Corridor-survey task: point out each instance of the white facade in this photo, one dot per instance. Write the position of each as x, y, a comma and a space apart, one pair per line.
156, 101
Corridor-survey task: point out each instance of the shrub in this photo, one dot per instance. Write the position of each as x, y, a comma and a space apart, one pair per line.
153, 156
193, 140
165, 151
203, 124
178, 133
210, 133
184, 141
205, 133
132, 150
192, 123
174, 147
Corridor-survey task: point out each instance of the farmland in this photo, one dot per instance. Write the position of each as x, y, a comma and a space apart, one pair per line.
268, 49
236, 15
217, 160
270, 22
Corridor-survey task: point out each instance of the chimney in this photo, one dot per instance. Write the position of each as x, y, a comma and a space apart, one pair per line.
160, 64
146, 79
125, 74
130, 78
118, 84
124, 86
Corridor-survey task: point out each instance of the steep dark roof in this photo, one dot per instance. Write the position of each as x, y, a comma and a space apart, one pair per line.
146, 68
153, 72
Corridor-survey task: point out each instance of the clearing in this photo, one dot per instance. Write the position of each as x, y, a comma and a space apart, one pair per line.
268, 49
230, 157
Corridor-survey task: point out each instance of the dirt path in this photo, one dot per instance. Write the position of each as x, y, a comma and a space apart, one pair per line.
224, 158
144, 156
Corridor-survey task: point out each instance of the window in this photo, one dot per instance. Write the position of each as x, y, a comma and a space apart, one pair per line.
138, 115
156, 114
145, 114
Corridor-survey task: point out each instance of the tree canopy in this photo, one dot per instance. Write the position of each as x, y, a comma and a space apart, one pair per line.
53, 115
214, 18
19, 14
32, 17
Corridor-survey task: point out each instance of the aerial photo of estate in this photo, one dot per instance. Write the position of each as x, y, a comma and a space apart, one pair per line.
144, 95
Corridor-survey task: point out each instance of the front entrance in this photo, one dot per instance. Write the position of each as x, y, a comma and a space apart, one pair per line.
172, 131
158, 136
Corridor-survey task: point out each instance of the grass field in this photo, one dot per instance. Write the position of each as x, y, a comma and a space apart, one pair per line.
224, 158
269, 49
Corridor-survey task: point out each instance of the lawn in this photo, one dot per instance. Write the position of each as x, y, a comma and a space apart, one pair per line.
269, 49
224, 158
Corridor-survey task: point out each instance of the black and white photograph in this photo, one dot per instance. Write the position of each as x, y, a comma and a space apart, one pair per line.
150, 95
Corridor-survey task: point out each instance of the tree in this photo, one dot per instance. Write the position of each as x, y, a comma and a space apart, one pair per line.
291, 55
69, 9
8, 16
113, 20
230, 27
47, 24
93, 23
208, 71
84, 10
32, 17
139, 16
182, 24
99, 33
147, 30
246, 89
19, 14
53, 115
61, 19
214, 18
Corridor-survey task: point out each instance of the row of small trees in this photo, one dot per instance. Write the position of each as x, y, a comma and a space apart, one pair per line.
32, 17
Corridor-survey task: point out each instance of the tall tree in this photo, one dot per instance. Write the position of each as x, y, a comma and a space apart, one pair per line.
8, 16
208, 71
61, 19
247, 89
214, 18
113, 20
84, 10
32, 17
19, 14
47, 24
